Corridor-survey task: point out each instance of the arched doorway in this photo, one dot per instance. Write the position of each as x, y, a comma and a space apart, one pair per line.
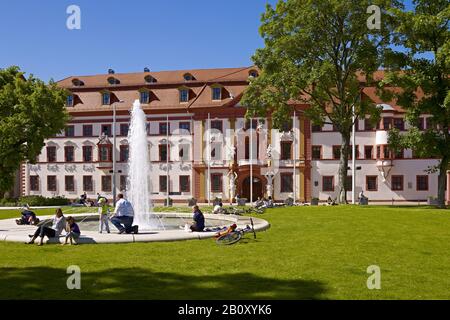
257, 188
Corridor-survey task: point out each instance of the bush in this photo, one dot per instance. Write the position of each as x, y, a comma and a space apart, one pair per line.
43, 201
7, 202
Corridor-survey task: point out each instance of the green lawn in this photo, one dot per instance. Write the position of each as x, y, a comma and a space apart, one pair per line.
308, 253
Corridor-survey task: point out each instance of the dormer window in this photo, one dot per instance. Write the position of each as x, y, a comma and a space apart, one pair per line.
188, 77
149, 79
113, 81
106, 98
69, 100
144, 96
253, 74
77, 82
217, 93
184, 95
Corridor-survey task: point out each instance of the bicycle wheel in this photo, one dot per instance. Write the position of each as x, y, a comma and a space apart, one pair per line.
229, 238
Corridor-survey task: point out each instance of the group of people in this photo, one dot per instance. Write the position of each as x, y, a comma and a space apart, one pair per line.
59, 224
264, 203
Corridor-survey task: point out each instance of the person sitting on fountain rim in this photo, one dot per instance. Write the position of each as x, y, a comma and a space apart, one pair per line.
218, 208
123, 216
199, 220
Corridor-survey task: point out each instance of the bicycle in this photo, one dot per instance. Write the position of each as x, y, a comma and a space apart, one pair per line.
234, 235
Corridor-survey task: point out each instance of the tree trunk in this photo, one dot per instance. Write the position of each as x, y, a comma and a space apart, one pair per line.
343, 165
442, 181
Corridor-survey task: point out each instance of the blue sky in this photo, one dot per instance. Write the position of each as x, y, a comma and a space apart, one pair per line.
128, 36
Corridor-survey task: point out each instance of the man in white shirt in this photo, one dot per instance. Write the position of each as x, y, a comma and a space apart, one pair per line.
123, 216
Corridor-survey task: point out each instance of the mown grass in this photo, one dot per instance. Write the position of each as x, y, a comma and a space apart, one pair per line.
308, 253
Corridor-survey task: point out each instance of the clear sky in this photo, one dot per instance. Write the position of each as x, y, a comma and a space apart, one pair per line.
128, 35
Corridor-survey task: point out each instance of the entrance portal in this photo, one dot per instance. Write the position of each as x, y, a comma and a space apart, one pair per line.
257, 188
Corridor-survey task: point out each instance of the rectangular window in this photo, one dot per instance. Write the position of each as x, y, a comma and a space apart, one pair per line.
124, 129
386, 152
253, 124
287, 126
216, 182
69, 101
34, 183
106, 129
397, 183
184, 95
399, 154
336, 152
106, 183
123, 183
216, 151
399, 124
106, 98
163, 128
144, 97
368, 152
316, 152
286, 182
105, 153
70, 183
87, 153
422, 183
378, 152
350, 153
69, 153
348, 183
286, 150
162, 183
70, 131
387, 123
368, 126
163, 154
185, 184
316, 128
217, 93
216, 125
183, 152
421, 124
328, 183
124, 153
87, 130
185, 127
88, 184
51, 154
51, 183
428, 123
371, 183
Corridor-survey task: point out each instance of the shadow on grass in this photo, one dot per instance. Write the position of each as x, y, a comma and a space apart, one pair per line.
138, 283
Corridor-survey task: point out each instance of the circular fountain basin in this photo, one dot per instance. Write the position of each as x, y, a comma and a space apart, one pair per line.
173, 229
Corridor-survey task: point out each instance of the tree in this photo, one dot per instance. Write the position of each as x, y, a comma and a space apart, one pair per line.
30, 112
319, 52
423, 82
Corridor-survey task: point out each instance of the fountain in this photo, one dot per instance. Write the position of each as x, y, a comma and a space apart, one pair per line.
139, 187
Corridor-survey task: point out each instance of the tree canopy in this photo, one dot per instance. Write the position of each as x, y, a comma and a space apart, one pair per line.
420, 66
30, 112
314, 51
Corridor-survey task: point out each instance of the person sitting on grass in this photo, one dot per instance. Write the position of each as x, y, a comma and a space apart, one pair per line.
218, 209
28, 217
73, 231
58, 224
123, 216
199, 220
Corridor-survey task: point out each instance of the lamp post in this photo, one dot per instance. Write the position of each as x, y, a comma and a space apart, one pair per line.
114, 152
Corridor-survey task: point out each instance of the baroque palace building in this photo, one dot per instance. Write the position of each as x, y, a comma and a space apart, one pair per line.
201, 146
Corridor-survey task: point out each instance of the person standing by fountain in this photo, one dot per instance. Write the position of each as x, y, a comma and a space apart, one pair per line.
103, 211
123, 216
